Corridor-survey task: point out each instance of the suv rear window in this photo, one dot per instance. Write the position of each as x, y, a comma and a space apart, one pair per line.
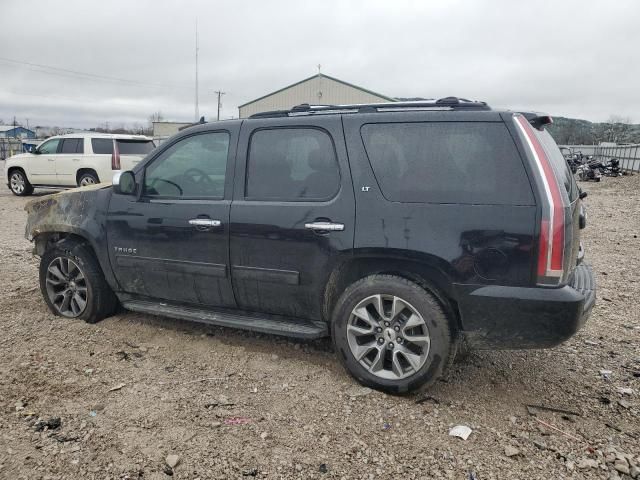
447, 162
559, 163
291, 164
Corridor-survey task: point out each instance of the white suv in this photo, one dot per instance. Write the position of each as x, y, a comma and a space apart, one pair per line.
67, 161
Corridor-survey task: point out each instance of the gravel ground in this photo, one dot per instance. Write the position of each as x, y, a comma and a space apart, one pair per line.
136, 392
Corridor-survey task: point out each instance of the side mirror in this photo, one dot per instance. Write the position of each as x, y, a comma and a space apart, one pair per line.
33, 150
124, 183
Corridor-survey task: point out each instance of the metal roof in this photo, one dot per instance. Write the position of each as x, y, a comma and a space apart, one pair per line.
6, 128
321, 75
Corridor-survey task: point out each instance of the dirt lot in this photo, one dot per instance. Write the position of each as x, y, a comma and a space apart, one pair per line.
232, 404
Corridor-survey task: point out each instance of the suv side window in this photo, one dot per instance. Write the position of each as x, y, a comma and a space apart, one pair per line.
49, 147
72, 145
447, 162
291, 164
193, 167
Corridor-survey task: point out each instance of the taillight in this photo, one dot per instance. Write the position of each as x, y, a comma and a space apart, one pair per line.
115, 156
551, 242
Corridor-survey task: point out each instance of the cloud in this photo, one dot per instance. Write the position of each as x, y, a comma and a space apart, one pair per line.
570, 58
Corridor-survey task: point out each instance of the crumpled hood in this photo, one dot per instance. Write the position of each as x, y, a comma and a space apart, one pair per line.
29, 206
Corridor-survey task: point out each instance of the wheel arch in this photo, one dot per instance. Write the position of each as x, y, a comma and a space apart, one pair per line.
81, 171
13, 168
425, 271
45, 239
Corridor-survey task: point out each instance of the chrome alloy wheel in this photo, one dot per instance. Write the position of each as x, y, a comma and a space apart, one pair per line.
388, 336
87, 180
17, 182
66, 287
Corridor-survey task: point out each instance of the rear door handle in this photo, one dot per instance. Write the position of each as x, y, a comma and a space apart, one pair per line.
204, 222
325, 226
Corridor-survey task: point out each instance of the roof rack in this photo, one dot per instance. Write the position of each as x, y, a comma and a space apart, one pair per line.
447, 103
199, 122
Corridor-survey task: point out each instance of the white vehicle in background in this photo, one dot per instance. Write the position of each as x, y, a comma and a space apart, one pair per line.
73, 160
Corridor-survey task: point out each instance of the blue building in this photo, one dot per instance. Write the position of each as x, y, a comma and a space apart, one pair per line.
9, 131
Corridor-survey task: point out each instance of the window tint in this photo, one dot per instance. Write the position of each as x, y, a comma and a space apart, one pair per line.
559, 163
447, 162
102, 146
193, 167
291, 164
72, 145
135, 147
50, 146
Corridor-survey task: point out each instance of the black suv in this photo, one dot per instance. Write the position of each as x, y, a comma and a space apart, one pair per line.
398, 229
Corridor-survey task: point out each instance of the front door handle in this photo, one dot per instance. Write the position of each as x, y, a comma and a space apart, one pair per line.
204, 222
324, 226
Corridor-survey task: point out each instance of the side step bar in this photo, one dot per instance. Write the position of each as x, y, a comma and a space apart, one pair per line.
272, 324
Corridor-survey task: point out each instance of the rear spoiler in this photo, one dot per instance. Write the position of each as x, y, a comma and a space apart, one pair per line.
538, 120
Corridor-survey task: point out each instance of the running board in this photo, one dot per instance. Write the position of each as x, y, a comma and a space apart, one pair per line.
272, 324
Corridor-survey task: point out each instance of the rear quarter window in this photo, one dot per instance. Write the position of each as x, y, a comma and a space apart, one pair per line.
135, 147
447, 162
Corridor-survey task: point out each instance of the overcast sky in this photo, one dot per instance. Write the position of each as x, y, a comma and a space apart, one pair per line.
569, 58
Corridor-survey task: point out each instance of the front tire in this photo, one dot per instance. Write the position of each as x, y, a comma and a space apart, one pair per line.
391, 334
19, 184
72, 283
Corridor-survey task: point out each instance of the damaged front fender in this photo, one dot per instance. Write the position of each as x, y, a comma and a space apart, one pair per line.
81, 212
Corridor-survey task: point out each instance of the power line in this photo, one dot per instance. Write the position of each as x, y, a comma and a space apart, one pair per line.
87, 76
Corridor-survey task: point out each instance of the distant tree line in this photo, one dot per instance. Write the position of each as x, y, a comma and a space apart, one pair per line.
571, 131
135, 129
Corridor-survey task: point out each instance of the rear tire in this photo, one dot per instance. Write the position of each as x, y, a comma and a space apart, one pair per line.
19, 184
87, 178
72, 283
391, 334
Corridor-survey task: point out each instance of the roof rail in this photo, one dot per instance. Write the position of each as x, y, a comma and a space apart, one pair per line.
447, 103
199, 122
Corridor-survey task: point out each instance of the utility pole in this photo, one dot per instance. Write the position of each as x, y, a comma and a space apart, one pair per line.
197, 110
319, 84
220, 93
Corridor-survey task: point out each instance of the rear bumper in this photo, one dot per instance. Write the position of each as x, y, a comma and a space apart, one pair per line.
518, 317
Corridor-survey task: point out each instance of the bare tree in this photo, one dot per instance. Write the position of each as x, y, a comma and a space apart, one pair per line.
617, 129
155, 117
